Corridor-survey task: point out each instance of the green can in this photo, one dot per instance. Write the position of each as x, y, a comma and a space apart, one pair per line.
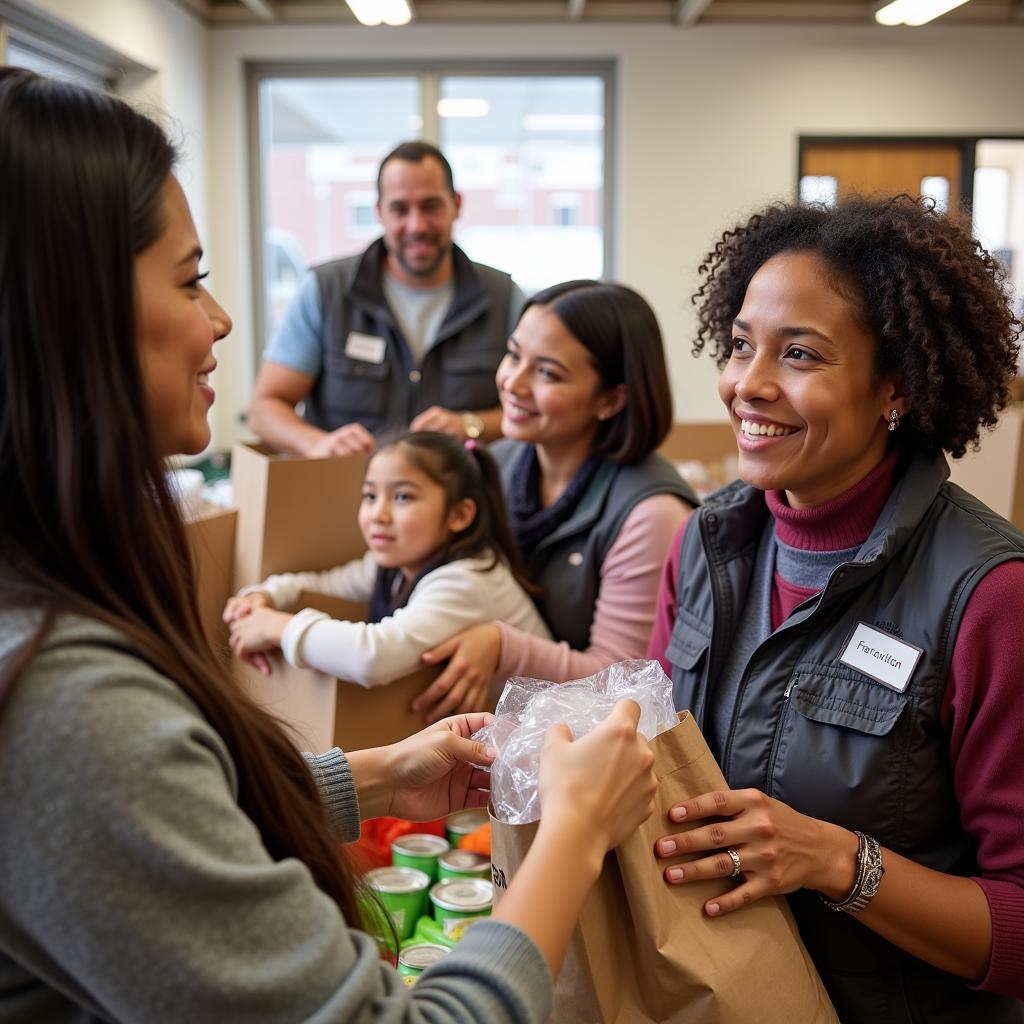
415, 959
403, 894
463, 864
420, 851
459, 901
461, 823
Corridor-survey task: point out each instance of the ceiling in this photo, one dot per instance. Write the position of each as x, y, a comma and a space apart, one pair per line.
681, 13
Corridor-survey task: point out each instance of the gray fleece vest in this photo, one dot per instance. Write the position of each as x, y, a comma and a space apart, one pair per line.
567, 564
835, 743
457, 372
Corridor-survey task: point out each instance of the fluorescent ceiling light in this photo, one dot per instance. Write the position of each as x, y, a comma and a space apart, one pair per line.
914, 12
458, 106
381, 12
563, 122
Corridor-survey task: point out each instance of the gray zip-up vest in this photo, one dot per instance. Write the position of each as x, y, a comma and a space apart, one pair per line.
457, 372
567, 564
836, 744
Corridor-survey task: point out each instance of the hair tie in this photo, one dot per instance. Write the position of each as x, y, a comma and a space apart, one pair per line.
470, 444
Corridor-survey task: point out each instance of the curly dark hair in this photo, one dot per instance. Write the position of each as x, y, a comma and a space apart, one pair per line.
936, 301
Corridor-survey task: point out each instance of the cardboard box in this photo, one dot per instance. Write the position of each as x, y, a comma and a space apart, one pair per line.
703, 453
699, 442
323, 712
995, 473
294, 513
211, 539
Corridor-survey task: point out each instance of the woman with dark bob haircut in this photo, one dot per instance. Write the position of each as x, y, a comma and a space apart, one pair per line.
166, 854
845, 624
585, 402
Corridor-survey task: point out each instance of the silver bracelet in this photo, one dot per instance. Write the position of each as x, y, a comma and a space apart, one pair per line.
869, 877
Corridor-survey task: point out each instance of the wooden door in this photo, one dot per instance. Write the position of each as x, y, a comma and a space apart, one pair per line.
870, 168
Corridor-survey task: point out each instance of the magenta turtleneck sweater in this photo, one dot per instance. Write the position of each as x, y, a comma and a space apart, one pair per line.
982, 709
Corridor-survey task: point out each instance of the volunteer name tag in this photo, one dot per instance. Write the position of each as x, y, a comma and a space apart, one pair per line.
367, 348
882, 656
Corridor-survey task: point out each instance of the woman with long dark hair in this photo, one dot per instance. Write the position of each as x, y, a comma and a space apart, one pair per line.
165, 853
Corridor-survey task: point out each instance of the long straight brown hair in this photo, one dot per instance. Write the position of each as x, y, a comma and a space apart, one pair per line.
87, 525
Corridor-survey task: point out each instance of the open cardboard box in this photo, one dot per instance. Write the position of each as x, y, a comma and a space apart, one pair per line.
211, 540
323, 712
297, 514
704, 454
293, 513
995, 473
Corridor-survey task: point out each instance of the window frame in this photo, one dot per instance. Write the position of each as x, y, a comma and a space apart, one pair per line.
54, 39
429, 74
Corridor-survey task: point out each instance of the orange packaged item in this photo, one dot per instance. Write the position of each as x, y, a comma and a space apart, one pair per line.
373, 848
478, 841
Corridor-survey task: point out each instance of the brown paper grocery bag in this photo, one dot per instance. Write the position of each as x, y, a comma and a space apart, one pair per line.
646, 953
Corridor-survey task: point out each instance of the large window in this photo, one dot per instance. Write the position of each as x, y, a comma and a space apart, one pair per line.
321, 140
528, 148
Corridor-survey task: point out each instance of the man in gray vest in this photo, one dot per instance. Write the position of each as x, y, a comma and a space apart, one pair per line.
407, 334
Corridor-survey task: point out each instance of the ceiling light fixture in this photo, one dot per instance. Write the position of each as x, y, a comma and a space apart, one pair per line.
914, 12
381, 12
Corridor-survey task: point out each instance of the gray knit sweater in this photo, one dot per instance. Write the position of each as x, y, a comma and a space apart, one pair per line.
133, 888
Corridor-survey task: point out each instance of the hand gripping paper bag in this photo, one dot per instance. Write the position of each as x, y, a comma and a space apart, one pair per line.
645, 952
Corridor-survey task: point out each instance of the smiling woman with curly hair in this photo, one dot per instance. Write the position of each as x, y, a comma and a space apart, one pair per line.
845, 624
917, 280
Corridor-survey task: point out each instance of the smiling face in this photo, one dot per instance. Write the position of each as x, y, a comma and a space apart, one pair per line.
805, 401
417, 213
550, 393
404, 516
177, 322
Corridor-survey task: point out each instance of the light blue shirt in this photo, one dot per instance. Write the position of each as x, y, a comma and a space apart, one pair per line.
298, 341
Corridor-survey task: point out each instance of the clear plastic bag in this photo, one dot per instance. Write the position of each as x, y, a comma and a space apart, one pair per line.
527, 708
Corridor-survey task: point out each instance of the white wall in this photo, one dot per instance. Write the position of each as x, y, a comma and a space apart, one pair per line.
707, 126
708, 120
162, 36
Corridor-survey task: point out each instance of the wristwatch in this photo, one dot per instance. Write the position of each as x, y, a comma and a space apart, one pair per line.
472, 425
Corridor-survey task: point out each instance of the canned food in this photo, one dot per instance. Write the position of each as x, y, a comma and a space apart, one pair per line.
415, 959
458, 901
403, 894
419, 851
463, 864
461, 823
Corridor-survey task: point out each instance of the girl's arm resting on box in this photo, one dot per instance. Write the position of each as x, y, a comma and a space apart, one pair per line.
444, 602
352, 581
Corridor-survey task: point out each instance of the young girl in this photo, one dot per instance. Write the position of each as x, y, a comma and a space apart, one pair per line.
440, 559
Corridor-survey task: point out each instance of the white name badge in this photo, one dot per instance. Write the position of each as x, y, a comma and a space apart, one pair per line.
882, 656
367, 348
